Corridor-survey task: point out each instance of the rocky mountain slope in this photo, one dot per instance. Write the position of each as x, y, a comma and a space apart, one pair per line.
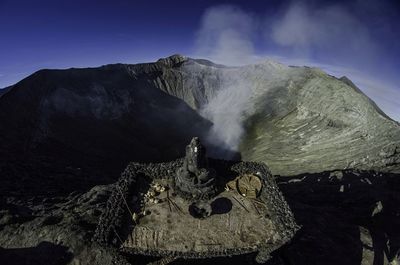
93, 120
3, 90
296, 119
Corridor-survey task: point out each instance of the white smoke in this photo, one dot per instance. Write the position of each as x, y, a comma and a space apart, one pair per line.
331, 35
226, 36
331, 32
227, 111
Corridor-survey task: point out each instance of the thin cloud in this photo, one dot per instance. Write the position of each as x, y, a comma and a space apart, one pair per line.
226, 35
331, 33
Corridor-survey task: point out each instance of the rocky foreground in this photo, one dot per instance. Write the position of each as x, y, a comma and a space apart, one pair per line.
347, 217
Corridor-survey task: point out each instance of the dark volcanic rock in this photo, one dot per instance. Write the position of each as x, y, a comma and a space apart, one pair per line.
92, 121
4, 90
54, 230
44, 253
340, 219
337, 212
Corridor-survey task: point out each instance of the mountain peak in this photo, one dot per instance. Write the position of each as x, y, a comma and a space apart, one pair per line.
173, 60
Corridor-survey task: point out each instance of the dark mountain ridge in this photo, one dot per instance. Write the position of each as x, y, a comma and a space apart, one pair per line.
94, 120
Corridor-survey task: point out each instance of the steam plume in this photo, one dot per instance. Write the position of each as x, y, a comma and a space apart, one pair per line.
328, 35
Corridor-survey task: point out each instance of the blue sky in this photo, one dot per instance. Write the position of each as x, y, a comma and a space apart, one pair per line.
360, 38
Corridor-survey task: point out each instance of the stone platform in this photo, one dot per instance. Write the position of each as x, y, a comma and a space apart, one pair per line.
236, 223
243, 211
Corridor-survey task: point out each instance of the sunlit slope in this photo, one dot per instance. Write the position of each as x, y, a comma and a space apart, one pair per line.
297, 119
317, 122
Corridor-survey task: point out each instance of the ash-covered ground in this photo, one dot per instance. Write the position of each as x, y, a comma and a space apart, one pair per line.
346, 217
